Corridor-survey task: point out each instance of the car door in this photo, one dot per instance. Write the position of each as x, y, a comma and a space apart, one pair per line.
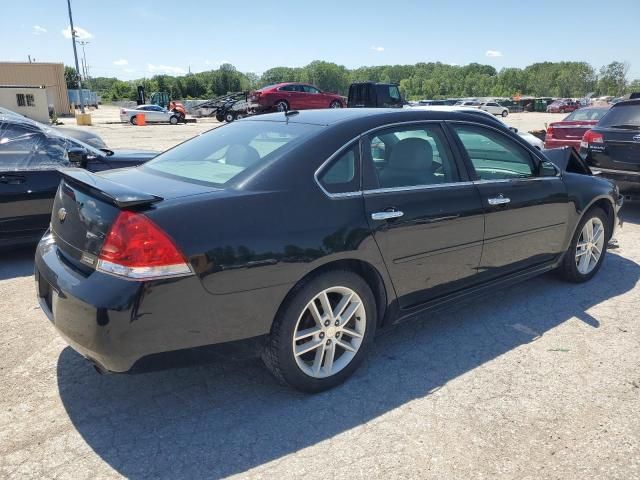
426, 215
526, 206
28, 180
154, 113
314, 98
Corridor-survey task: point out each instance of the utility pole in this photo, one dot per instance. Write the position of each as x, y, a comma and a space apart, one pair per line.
75, 55
85, 67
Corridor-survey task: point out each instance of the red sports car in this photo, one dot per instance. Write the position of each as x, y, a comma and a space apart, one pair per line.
569, 132
294, 96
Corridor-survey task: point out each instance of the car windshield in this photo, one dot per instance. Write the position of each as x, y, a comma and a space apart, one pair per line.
625, 116
586, 114
218, 156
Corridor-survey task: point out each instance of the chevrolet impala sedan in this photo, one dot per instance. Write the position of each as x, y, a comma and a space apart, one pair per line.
306, 232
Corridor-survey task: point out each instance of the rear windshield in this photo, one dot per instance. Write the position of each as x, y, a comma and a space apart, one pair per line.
218, 156
587, 114
627, 116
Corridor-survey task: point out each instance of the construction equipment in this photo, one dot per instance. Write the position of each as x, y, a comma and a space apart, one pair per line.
162, 99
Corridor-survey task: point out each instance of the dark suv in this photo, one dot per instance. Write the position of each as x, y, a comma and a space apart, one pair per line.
612, 147
374, 95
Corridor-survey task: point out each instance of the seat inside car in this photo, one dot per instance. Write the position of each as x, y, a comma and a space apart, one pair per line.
410, 163
241, 155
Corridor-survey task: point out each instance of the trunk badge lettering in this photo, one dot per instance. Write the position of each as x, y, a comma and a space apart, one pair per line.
62, 214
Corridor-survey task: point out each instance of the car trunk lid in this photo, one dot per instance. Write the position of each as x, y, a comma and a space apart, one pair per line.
570, 130
620, 150
87, 204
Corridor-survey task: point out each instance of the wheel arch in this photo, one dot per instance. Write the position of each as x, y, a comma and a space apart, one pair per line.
603, 202
364, 269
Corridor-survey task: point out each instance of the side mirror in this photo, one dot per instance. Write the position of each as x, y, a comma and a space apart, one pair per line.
78, 156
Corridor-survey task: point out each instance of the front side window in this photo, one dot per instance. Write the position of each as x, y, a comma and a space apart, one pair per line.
220, 155
341, 175
494, 156
412, 156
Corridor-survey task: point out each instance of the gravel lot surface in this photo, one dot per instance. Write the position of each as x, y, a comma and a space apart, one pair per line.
541, 380
162, 136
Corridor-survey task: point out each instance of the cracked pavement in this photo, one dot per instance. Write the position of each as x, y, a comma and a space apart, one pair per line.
541, 380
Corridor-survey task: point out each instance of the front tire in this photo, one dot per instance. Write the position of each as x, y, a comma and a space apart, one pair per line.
229, 117
588, 247
322, 332
173, 120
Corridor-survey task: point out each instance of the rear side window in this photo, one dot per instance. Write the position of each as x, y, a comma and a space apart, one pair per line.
494, 156
342, 174
627, 116
220, 155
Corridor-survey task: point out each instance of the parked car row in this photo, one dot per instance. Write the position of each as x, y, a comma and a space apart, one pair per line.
218, 240
31, 155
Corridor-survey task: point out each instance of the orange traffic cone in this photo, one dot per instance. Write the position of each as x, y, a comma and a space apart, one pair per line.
140, 121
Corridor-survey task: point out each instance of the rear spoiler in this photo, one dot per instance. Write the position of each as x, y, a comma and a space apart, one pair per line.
119, 195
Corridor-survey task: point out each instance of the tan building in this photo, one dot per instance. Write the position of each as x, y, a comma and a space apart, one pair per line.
51, 75
32, 102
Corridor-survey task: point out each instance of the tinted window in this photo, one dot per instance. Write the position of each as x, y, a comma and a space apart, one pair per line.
625, 116
218, 156
493, 155
310, 89
412, 156
587, 114
341, 174
287, 88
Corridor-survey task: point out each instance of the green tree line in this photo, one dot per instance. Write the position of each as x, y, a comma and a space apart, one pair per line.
422, 80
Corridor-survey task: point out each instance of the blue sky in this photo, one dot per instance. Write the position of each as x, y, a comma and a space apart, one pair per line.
132, 39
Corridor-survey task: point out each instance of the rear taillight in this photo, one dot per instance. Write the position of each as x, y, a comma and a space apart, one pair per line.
136, 248
549, 133
591, 137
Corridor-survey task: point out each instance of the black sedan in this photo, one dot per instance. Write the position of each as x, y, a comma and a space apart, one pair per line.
30, 156
612, 147
310, 231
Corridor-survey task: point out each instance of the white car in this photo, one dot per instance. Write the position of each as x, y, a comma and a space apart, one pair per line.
494, 108
152, 114
527, 137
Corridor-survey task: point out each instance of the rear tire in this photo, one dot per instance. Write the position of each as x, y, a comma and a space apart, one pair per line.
229, 117
219, 117
580, 263
331, 344
133, 120
505, 113
282, 106
335, 104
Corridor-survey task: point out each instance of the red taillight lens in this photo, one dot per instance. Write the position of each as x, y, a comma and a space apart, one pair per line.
591, 137
549, 133
137, 248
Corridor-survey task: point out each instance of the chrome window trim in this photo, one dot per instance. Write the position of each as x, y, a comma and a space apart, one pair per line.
358, 193
608, 170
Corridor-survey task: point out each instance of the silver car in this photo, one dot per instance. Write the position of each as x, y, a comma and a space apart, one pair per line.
152, 114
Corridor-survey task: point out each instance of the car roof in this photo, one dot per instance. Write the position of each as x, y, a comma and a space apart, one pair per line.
626, 103
333, 116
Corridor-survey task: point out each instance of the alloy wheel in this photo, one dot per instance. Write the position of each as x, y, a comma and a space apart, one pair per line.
590, 245
329, 332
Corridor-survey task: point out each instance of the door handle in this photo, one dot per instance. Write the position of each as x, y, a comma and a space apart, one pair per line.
387, 215
499, 200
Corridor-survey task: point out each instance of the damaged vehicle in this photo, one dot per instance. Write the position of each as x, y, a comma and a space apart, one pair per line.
305, 233
30, 155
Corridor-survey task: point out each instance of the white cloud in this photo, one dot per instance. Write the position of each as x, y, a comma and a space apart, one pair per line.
493, 53
121, 62
81, 33
128, 70
166, 69
454, 64
38, 30
377, 49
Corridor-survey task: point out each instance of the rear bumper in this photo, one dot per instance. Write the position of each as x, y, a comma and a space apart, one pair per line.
627, 182
115, 322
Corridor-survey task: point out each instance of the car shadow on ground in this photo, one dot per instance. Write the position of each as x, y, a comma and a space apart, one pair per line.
224, 418
16, 263
630, 212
